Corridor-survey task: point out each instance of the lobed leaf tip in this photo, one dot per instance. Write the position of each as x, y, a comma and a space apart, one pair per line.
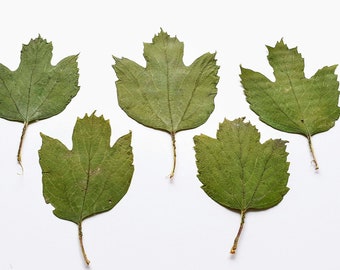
213, 55
279, 43
239, 119
40, 39
333, 68
164, 35
118, 59
87, 115
93, 115
162, 32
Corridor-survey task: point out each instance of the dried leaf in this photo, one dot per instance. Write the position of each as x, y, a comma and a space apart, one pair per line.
37, 90
89, 179
166, 94
293, 103
239, 172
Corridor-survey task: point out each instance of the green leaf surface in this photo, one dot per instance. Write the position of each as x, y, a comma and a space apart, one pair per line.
166, 94
293, 103
239, 172
37, 90
89, 179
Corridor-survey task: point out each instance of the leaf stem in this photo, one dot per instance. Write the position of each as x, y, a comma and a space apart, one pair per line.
173, 139
80, 234
309, 138
234, 247
21, 143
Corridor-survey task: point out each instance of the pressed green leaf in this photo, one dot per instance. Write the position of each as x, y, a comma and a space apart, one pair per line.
89, 179
166, 94
37, 90
293, 103
239, 172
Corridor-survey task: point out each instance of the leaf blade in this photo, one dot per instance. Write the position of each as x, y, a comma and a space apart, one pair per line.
87, 170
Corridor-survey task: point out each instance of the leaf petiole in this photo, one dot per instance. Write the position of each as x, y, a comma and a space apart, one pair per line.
21, 143
309, 137
173, 139
234, 247
80, 234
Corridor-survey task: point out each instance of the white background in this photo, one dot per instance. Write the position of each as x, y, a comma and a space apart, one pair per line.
161, 224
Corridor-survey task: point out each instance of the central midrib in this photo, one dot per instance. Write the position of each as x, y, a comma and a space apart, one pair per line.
87, 183
168, 90
30, 87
